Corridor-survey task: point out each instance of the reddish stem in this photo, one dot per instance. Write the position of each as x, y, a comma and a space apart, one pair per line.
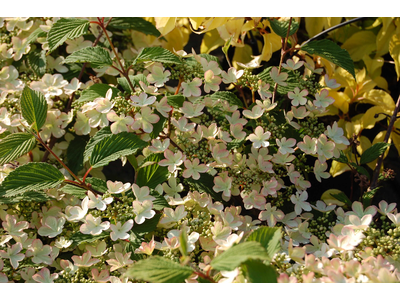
86, 174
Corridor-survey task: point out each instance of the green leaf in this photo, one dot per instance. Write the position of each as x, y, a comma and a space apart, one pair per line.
75, 152
373, 152
148, 226
113, 147
176, 101
368, 196
183, 240
79, 238
152, 175
205, 185
159, 126
342, 197
33, 108
122, 81
32, 196
98, 184
98, 90
64, 29
36, 60
157, 54
209, 57
157, 269
281, 27
98, 57
159, 203
74, 190
332, 52
291, 81
15, 145
257, 272
234, 144
137, 24
97, 138
237, 254
342, 158
360, 169
39, 32
31, 177
269, 238
227, 96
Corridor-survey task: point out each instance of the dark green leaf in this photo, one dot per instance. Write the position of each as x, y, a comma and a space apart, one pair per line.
175, 101
234, 144
148, 226
152, 175
33, 108
332, 52
360, 169
98, 184
79, 238
31, 177
342, 197
135, 23
368, 196
257, 272
98, 90
159, 126
37, 62
98, 57
159, 203
269, 238
74, 191
373, 152
157, 269
64, 29
122, 81
237, 254
39, 32
205, 185
15, 145
342, 159
114, 147
281, 27
157, 54
97, 138
75, 152
32, 196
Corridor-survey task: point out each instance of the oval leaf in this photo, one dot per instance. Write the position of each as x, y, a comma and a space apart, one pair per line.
157, 54
281, 27
373, 152
31, 177
159, 270
33, 108
268, 237
98, 57
237, 254
66, 28
258, 272
15, 145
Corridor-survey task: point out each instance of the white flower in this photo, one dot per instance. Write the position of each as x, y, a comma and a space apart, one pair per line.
117, 187
143, 210
120, 231
142, 193
142, 100
259, 138
300, 203
13, 254
44, 276
51, 226
158, 76
171, 216
98, 201
94, 226
76, 213
39, 253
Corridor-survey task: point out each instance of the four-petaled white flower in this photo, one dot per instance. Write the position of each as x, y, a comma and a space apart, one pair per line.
142, 100
256, 112
39, 253
231, 76
145, 119
13, 228
322, 99
172, 160
51, 226
119, 231
171, 216
285, 145
191, 110
259, 138
319, 170
44, 276
142, 193
271, 215
76, 213
158, 146
193, 169
158, 76
223, 185
85, 260
143, 210
98, 201
211, 81
298, 97
300, 202
13, 254
93, 225
120, 261
279, 78
121, 122
117, 187
192, 88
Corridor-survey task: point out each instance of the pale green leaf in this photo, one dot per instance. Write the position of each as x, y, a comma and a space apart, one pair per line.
15, 145
98, 137
34, 176
269, 238
37, 62
98, 90
64, 29
157, 54
33, 108
258, 272
135, 23
32, 196
98, 57
158, 269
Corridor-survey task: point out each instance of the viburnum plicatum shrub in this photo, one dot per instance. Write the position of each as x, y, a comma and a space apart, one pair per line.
223, 161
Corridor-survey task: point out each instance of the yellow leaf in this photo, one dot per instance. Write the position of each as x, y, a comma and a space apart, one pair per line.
331, 21
359, 44
314, 25
378, 139
330, 200
394, 50
211, 41
368, 120
242, 55
211, 23
165, 24
374, 65
380, 98
338, 168
196, 22
384, 36
232, 28
177, 38
353, 127
364, 144
342, 101
395, 136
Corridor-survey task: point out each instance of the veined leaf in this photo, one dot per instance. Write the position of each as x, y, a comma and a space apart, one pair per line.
332, 52
152, 175
283, 90
258, 272
98, 184
75, 152
37, 62
113, 147
148, 226
64, 29
205, 185
98, 90
98, 57
227, 96
33, 196
176, 101
281, 27
39, 32
98, 137
31, 177
157, 269
237, 254
33, 108
373, 152
269, 238
157, 54
159, 203
15, 145
135, 23
79, 238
